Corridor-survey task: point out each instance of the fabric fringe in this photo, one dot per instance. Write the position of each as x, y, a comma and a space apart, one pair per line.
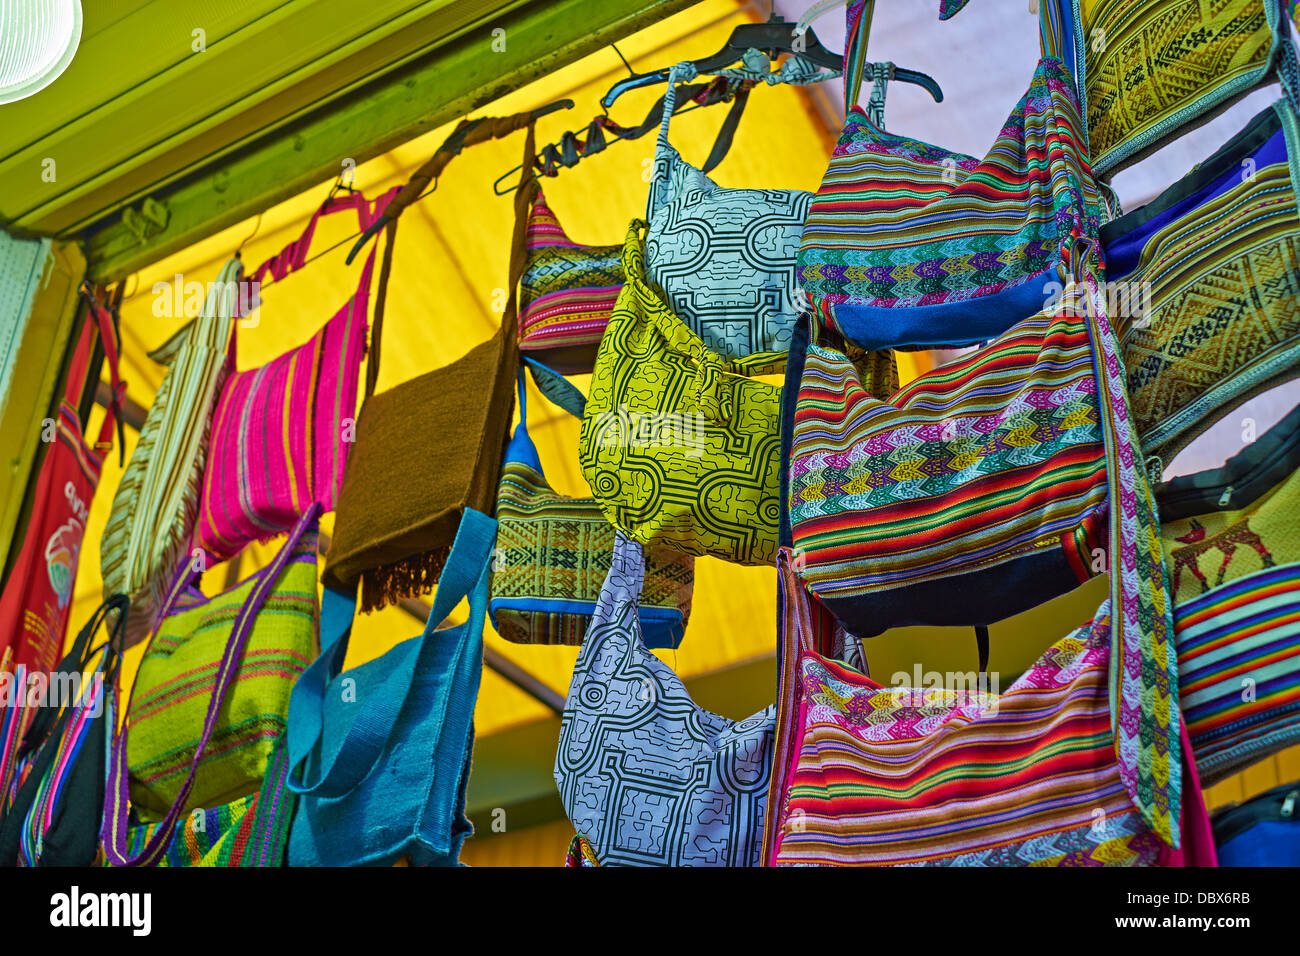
409, 578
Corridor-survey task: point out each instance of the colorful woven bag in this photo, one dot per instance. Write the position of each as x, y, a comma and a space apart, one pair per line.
552, 556
211, 695
152, 519
250, 831
1150, 69
994, 487
973, 493
908, 244
54, 817
865, 774
566, 293
679, 447
723, 258
580, 853
380, 755
1232, 544
1210, 270
648, 776
278, 432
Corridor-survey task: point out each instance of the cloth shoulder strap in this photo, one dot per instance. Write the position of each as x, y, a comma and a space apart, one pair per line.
376, 716
99, 321
113, 830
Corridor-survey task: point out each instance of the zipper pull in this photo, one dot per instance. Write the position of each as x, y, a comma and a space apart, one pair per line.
1288, 805
1225, 497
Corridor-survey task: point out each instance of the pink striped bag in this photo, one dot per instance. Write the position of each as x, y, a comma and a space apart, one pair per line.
278, 432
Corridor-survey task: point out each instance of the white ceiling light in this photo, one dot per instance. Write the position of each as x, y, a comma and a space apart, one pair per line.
38, 39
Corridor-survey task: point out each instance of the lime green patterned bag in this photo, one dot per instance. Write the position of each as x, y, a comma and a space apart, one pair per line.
679, 447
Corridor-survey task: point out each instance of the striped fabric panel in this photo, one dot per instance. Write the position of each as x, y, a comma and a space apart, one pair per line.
175, 679
278, 438
993, 457
551, 547
249, 831
152, 517
567, 290
1239, 669
1027, 777
898, 223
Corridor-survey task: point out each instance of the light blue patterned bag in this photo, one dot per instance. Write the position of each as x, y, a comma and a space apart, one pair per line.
724, 258
650, 778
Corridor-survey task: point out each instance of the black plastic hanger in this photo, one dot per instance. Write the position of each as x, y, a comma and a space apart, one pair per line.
576, 145
775, 36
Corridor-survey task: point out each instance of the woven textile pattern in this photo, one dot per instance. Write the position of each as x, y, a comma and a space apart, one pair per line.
988, 459
679, 448
553, 547
580, 853
892, 776
249, 831
899, 224
645, 774
157, 500
1235, 574
567, 290
723, 258
174, 683
278, 442
1161, 63
1215, 270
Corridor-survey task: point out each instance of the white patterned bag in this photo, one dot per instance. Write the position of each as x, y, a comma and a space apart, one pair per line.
650, 778
724, 258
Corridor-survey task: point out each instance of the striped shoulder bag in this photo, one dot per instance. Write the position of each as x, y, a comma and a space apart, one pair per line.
1232, 543
984, 488
210, 700
278, 443
911, 245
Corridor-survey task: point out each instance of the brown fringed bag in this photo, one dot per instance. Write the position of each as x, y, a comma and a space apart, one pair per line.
431, 447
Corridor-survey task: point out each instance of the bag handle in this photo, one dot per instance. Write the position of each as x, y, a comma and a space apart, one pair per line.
682, 73
113, 830
376, 717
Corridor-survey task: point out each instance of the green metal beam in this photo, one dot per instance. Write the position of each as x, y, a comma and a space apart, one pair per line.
447, 83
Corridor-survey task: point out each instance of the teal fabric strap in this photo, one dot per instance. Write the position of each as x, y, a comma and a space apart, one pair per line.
556, 387
377, 714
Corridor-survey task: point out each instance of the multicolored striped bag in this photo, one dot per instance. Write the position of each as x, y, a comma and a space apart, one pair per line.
250, 831
648, 776
980, 490
1232, 543
152, 519
53, 819
908, 244
679, 447
278, 432
566, 293
960, 775
1150, 69
211, 696
1209, 274
553, 553
973, 493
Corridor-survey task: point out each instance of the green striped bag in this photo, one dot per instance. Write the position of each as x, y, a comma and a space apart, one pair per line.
156, 504
166, 720
250, 831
